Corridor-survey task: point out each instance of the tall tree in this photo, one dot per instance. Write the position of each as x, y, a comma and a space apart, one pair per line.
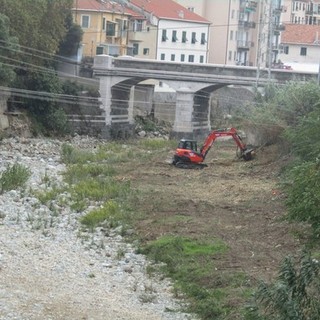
39, 25
7, 43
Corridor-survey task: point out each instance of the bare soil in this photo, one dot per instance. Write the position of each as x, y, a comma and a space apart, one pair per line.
233, 200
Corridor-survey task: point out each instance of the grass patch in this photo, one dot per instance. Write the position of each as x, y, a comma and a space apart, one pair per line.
156, 144
70, 155
79, 172
49, 195
99, 189
110, 211
191, 264
13, 177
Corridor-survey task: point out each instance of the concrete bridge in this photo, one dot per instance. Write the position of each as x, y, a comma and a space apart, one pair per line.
193, 84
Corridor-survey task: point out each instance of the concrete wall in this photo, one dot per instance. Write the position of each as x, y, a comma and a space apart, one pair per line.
4, 122
165, 106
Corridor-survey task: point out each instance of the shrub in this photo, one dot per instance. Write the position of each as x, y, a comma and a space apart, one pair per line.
303, 194
304, 138
110, 210
14, 176
293, 296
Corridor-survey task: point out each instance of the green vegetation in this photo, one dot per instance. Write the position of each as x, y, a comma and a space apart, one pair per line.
294, 295
91, 178
14, 176
190, 263
110, 211
28, 60
7, 43
26, 24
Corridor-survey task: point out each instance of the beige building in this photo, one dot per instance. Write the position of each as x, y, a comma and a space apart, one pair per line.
104, 25
243, 32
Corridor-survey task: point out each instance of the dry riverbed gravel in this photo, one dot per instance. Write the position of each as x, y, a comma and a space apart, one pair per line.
50, 269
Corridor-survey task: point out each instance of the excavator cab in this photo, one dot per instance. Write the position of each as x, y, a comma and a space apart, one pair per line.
188, 144
187, 155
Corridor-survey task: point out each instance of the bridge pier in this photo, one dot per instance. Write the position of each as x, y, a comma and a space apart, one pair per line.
116, 98
186, 123
182, 126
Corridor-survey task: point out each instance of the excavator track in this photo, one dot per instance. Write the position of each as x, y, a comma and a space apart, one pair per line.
190, 165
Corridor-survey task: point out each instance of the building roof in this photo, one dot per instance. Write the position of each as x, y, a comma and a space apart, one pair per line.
102, 6
301, 34
168, 9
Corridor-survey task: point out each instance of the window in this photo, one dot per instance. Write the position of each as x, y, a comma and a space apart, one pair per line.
111, 29
230, 55
163, 56
303, 51
201, 59
191, 58
193, 37
146, 51
203, 38
85, 21
135, 49
182, 58
174, 36
173, 57
286, 49
232, 14
184, 36
103, 24
234, 55
190, 9
137, 25
99, 50
164, 35
231, 35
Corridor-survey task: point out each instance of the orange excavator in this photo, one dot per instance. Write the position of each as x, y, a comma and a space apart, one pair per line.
187, 157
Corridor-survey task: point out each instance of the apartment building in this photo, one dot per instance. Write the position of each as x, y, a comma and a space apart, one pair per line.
172, 33
302, 12
243, 32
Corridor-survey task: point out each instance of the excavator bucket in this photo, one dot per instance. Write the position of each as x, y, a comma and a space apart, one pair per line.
247, 154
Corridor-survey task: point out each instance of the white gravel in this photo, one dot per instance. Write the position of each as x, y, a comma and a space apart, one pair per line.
50, 269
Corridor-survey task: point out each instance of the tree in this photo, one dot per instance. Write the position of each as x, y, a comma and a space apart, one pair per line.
7, 43
69, 46
39, 25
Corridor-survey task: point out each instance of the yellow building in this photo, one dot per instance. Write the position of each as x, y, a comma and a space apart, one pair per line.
105, 27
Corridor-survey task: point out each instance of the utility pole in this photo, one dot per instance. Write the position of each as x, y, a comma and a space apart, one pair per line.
270, 38
261, 27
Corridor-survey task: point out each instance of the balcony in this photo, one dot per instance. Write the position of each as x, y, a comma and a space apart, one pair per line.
244, 45
279, 10
249, 6
279, 28
247, 24
109, 49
